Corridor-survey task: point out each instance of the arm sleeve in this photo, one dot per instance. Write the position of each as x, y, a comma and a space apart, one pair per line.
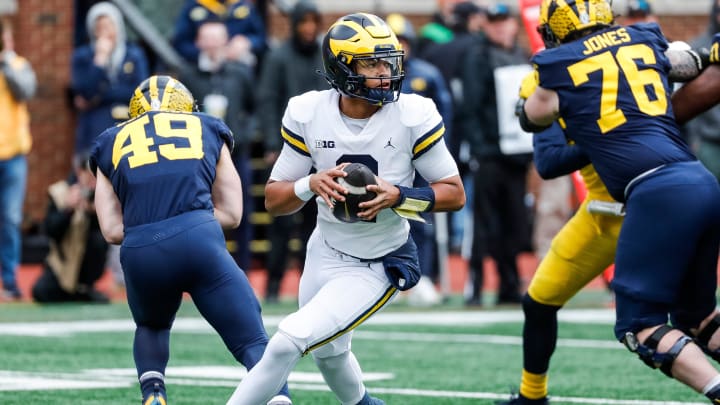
553, 156
20, 77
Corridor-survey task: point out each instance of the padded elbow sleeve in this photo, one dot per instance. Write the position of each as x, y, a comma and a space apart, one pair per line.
526, 124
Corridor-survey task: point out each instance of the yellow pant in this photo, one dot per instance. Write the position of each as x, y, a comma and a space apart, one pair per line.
581, 251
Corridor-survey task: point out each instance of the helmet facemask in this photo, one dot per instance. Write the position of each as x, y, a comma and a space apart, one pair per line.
360, 49
388, 90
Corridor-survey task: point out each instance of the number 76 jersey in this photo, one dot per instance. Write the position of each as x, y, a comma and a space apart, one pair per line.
614, 96
161, 164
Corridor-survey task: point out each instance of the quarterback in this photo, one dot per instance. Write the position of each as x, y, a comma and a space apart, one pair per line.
615, 102
356, 265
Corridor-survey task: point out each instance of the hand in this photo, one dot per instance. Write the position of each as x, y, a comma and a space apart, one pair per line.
323, 184
387, 196
103, 49
74, 197
80, 103
8, 43
529, 84
715, 49
238, 48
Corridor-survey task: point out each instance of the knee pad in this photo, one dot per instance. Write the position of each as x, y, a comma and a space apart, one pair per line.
331, 362
296, 330
282, 349
648, 353
703, 338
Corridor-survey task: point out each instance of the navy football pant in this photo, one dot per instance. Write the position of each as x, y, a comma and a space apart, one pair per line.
187, 253
666, 261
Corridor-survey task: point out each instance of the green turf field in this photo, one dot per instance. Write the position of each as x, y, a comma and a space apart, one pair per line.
81, 354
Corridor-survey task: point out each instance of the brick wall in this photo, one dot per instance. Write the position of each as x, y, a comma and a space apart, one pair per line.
44, 34
43, 31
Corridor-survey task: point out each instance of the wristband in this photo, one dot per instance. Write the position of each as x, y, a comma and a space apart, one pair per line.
701, 56
413, 201
525, 123
302, 188
418, 199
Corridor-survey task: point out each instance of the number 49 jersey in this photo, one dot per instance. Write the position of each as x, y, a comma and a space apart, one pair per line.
161, 164
395, 141
615, 99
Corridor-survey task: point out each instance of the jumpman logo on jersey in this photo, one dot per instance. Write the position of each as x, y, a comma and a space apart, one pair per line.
389, 143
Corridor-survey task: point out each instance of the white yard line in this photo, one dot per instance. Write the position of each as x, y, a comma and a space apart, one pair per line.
448, 318
223, 376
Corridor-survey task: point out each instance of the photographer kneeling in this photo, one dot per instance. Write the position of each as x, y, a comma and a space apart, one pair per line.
76, 259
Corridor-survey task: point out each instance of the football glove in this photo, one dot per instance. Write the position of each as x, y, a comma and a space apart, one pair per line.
529, 84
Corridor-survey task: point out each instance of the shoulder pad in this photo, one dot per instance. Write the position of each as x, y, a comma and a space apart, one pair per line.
302, 108
414, 109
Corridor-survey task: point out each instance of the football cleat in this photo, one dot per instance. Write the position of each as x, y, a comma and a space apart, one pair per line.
368, 400
517, 399
280, 400
156, 398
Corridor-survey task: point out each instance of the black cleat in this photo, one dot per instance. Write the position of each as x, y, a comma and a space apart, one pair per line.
517, 399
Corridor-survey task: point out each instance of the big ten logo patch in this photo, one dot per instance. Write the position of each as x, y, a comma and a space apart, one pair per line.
322, 144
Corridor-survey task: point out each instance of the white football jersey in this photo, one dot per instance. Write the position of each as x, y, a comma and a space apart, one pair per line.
398, 139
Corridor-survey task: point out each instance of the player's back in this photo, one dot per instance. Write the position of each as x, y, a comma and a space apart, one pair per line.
162, 164
614, 97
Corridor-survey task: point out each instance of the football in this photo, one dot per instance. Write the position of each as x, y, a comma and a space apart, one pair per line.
358, 176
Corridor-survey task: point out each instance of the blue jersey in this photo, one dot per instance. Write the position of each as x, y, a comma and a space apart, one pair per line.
615, 99
161, 164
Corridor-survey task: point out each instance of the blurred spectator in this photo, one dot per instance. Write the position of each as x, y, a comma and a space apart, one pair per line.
639, 11
501, 218
7, 9
466, 21
704, 131
224, 89
245, 26
104, 74
438, 30
424, 79
17, 85
289, 70
78, 250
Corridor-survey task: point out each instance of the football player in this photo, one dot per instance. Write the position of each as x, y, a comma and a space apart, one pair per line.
581, 251
611, 86
586, 244
352, 269
165, 187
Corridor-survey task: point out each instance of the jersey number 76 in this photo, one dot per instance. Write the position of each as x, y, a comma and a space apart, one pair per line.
623, 62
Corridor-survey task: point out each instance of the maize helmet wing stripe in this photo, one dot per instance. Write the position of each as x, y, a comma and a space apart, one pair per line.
161, 93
